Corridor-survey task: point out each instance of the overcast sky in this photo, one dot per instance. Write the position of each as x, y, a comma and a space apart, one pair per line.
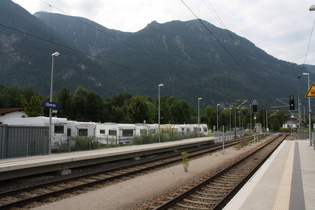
281, 28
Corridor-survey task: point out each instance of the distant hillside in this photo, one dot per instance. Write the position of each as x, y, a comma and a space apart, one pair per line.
190, 60
26, 45
310, 68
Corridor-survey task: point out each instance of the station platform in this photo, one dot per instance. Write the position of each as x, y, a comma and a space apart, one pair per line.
64, 162
285, 181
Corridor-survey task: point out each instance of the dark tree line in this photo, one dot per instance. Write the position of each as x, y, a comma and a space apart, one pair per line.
85, 105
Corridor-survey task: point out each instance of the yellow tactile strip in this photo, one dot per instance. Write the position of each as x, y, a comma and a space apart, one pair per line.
282, 199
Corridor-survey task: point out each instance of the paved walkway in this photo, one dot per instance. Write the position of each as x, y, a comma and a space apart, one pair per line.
285, 182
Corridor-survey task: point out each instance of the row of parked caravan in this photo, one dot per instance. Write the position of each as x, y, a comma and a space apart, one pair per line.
62, 129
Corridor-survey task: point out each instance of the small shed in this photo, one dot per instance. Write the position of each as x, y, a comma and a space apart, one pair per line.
291, 123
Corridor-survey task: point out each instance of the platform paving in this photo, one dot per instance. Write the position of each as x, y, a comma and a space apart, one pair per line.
63, 162
285, 182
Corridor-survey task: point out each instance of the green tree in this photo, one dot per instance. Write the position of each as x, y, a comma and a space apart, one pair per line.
277, 119
10, 97
208, 116
177, 113
115, 108
138, 109
112, 113
88, 106
181, 112
187, 112
275, 124
121, 100
28, 92
152, 106
34, 107
282, 116
65, 98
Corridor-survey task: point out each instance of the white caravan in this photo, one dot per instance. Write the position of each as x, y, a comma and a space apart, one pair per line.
106, 133
81, 128
143, 128
126, 133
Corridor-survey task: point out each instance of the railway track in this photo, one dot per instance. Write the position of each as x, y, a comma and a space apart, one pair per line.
215, 192
43, 192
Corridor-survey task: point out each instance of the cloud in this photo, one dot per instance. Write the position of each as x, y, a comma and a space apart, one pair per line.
281, 29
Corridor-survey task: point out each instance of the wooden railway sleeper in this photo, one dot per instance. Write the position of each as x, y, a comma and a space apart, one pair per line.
216, 184
216, 188
224, 182
230, 176
97, 178
197, 202
210, 198
216, 193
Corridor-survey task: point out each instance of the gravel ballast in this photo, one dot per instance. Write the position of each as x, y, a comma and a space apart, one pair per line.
132, 193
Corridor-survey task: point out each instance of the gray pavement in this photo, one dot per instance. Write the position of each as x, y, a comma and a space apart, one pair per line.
284, 182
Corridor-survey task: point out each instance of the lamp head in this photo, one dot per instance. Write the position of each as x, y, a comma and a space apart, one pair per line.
55, 54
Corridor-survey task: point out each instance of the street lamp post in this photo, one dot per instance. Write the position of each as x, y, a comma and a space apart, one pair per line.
199, 116
50, 98
250, 117
267, 129
309, 109
299, 104
230, 119
235, 122
239, 120
312, 8
218, 116
255, 122
159, 109
263, 116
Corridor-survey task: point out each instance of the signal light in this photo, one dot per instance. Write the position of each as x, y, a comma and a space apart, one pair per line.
255, 109
291, 103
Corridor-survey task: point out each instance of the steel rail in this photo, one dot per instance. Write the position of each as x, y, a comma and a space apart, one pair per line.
118, 172
171, 202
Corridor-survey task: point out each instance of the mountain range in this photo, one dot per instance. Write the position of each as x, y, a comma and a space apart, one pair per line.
193, 59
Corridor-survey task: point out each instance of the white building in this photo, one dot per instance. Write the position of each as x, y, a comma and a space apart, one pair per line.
11, 113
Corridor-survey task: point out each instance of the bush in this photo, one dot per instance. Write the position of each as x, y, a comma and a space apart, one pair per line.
145, 139
185, 160
167, 135
85, 143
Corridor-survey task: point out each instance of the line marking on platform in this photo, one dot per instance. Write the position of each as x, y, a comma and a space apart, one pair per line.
282, 200
297, 192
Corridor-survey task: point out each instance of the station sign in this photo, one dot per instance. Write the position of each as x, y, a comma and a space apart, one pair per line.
51, 105
311, 92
